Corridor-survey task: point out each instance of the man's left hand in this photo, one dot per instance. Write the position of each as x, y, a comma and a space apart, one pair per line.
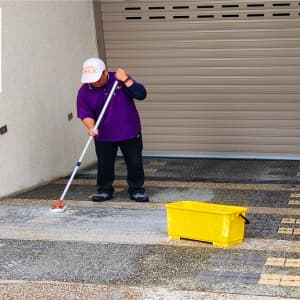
121, 75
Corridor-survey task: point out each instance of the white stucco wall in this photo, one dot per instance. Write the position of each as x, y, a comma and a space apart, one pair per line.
43, 46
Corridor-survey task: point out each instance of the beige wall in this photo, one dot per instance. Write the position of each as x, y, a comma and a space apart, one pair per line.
43, 46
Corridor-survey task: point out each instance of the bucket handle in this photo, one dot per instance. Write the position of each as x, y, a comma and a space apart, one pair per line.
246, 220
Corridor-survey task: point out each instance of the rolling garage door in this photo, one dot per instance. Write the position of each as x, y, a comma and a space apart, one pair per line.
223, 77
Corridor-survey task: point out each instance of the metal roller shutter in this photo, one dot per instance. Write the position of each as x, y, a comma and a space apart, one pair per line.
223, 77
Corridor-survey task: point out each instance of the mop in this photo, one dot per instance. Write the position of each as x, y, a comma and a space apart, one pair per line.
60, 207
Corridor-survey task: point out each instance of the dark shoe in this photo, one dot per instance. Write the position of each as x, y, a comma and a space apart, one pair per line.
139, 197
101, 197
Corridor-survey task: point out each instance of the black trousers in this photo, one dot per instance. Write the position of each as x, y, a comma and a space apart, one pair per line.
132, 153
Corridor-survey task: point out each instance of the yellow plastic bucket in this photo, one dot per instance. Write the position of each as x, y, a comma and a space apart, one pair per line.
222, 225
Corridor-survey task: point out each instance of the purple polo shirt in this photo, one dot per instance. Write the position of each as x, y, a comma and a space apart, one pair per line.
121, 120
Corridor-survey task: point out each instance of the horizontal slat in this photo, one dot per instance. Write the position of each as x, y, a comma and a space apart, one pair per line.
191, 4
220, 123
205, 35
206, 44
185, 62
221, 115
134, 27
169, 147
260, 107
226, 132
176, 79
230, 89
142, 8
213, 71
216, 16
155, 100
193, 14
112, 6
207, 53
233, 140
267, 12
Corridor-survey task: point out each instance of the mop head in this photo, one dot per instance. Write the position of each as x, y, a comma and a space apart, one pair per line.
59, 207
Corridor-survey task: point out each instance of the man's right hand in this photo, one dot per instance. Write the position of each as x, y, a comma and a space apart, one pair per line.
93, 132
89, 123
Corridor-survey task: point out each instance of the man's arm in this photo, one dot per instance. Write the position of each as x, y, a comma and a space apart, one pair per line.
137, 91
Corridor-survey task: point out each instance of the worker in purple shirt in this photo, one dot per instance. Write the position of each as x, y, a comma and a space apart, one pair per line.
119, 128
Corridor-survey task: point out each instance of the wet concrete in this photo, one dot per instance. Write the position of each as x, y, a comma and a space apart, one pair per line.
120, 249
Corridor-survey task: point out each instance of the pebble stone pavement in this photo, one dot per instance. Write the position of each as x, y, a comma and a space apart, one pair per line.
120, 249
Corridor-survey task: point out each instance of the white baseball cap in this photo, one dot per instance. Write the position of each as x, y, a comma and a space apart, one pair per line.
92, 70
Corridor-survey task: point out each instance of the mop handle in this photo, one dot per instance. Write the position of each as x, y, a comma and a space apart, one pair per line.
89, 140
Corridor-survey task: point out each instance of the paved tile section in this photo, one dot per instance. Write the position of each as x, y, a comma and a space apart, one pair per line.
229, 277
254, 259
262, 263
294, 202
196, 185
280, 280
214, 170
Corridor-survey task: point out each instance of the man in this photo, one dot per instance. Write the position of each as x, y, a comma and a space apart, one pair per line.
119, 128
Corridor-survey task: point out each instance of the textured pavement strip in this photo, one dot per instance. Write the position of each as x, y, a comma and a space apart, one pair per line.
189, 184
55, 234
146, 227
23, 290
134, 205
